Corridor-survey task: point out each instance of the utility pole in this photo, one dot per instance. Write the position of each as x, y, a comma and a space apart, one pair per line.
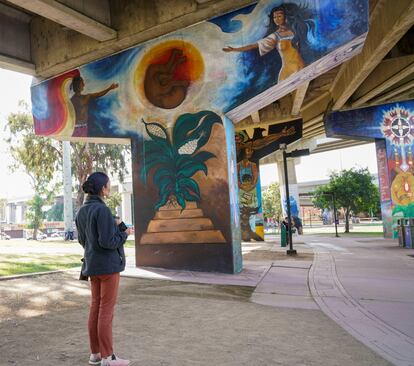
293, 154
67, 191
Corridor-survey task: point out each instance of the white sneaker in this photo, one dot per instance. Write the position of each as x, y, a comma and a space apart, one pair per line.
114, 361
95, 359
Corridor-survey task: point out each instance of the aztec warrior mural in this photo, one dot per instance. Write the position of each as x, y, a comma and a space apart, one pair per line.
391, 126
176, 99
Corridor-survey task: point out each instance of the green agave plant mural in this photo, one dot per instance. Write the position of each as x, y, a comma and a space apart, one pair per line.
176, 160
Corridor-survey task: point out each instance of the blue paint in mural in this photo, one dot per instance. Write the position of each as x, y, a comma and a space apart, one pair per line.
228, 24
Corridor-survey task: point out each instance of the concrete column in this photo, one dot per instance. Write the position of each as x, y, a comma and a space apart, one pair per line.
67, 188
126, 207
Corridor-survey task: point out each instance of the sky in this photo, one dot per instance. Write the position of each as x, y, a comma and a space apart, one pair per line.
15, 87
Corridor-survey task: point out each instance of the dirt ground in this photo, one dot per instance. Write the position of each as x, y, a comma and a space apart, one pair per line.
43, 322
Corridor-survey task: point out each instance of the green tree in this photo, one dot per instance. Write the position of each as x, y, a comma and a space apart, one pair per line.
353, 189
87, 158
113, 201
38, 157
41, 157
271, 204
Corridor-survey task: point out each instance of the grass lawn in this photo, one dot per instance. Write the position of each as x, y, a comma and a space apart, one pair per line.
11, 264
129, 244
371, 229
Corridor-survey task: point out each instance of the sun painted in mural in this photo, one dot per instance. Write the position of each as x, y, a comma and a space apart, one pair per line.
166, 72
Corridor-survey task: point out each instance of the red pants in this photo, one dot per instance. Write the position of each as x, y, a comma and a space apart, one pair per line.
104, 290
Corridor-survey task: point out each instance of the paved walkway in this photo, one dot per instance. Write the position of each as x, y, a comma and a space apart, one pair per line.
367, 287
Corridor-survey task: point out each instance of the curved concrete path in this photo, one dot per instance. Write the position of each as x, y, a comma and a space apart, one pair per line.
366, 285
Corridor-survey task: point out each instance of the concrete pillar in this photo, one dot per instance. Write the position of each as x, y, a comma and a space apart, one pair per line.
126, 207
67, 188
186, 196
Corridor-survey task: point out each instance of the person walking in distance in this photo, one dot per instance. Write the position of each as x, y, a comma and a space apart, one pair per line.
103, 240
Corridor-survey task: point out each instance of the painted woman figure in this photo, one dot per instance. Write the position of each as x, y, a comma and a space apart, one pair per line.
289, 25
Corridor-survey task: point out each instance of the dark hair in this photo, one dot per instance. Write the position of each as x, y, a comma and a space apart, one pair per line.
95, 182
299, 20
76, 81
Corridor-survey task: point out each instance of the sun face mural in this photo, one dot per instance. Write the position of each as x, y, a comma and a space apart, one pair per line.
175, 98
392, 127
167, 71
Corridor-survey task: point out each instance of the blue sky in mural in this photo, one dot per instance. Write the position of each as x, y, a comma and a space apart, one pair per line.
228, 24
111, 70
40, 103
340, 21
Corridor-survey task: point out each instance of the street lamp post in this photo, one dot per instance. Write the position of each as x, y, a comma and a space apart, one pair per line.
293, 154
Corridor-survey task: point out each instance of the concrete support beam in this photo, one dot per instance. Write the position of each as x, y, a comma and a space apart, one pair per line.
316, 107
17, 65
298, 98
388, 73
389, 23
68, 17
255, 117
15, 52
136, 21
276, 112
393, 93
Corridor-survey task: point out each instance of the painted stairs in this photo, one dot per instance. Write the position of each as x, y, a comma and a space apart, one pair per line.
175, 226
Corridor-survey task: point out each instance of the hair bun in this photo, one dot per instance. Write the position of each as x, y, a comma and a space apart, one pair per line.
87, 187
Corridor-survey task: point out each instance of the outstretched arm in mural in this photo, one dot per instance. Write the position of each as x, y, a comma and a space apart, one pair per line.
241, 49
103, 92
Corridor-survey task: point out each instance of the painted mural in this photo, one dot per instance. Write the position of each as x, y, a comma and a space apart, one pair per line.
249, 150
392, 128
175, 98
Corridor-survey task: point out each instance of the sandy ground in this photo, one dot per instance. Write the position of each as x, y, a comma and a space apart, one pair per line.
43, 322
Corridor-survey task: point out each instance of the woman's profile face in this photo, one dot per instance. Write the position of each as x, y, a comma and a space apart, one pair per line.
106, 189
279, 17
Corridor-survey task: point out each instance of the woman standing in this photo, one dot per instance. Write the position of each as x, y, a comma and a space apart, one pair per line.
104, 259
289, 25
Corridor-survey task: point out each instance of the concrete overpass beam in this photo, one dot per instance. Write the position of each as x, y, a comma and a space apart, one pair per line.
15, 41
70, 18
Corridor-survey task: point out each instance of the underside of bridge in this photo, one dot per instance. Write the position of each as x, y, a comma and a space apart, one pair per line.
178, 76
45, 38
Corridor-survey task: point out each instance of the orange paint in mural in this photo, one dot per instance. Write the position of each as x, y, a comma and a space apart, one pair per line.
166, 72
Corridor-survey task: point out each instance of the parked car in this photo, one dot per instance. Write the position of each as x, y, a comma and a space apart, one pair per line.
40, 236
58, 234
4, 236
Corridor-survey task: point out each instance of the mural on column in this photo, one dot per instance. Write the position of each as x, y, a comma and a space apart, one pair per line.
175, 97
249, 151
392, 127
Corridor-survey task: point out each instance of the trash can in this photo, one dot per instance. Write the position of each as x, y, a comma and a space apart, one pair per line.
409, 233
401, 233
283, 236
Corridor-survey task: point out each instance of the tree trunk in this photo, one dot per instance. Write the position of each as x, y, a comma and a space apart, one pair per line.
84, 170
35, 233
347, 220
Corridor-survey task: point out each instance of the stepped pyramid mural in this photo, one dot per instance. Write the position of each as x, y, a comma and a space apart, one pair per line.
177, 226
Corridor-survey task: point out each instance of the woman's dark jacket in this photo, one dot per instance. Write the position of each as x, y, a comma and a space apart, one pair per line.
99, 234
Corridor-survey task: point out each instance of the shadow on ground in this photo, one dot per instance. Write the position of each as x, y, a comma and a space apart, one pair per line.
43, 319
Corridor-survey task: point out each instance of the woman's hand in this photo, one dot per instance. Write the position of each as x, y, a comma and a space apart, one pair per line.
128, 231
